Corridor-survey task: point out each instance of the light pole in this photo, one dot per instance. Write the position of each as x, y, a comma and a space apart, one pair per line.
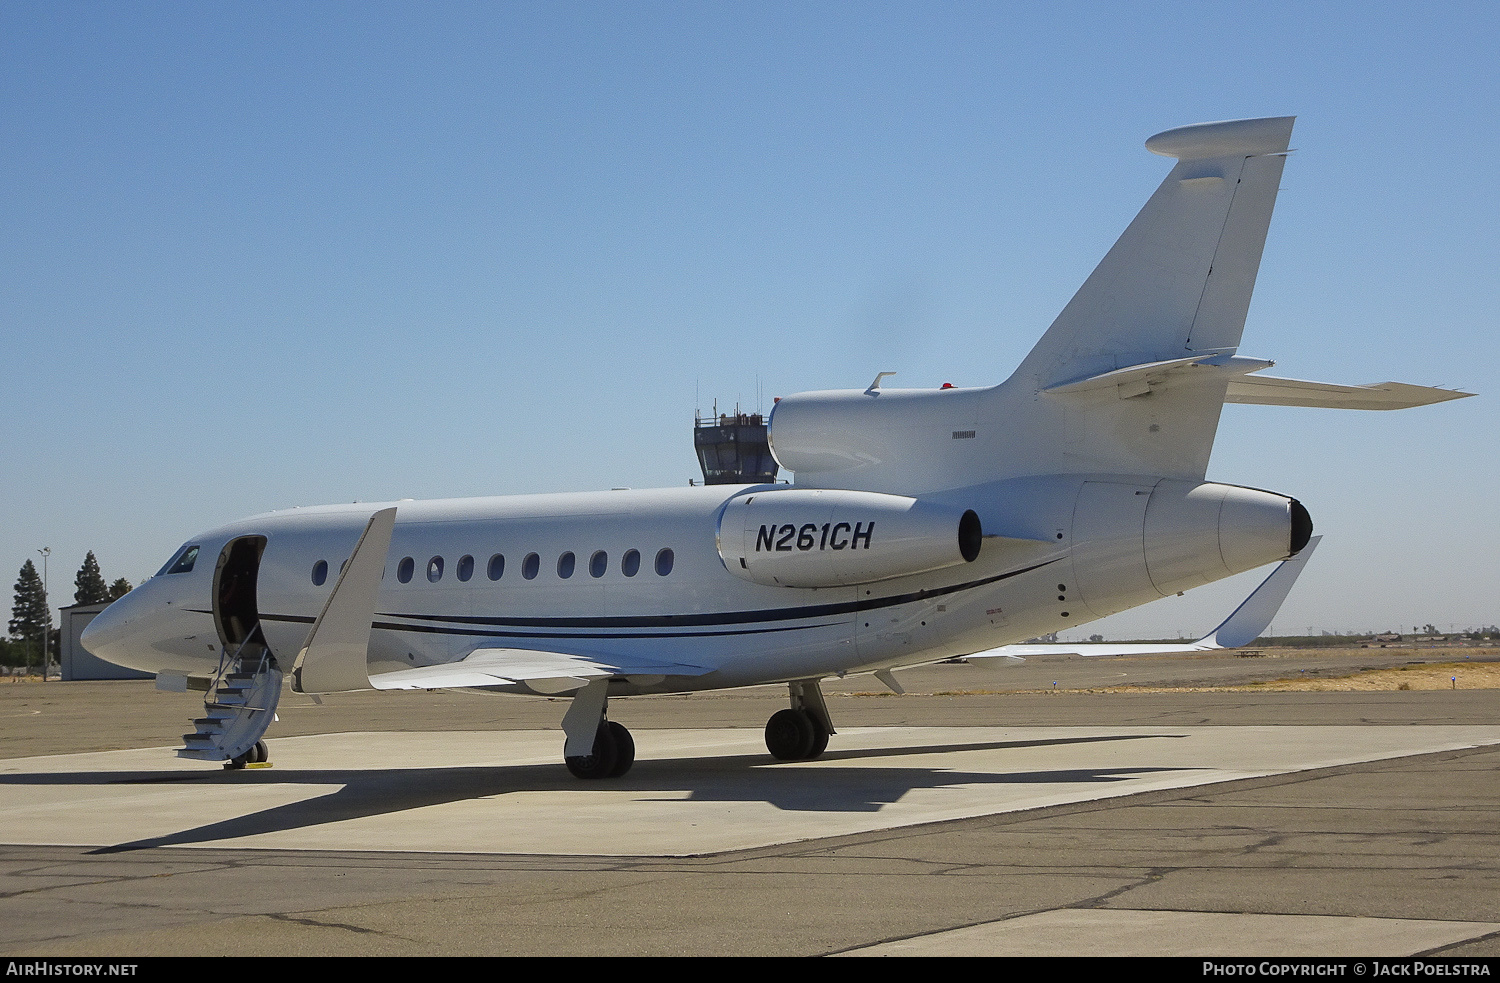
46, 551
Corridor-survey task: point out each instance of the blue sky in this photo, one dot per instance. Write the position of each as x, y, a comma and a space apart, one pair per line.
268, 254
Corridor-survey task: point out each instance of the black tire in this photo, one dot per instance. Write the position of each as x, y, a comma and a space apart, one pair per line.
820, 738
624, 749
602, 762
260, 754
790, 735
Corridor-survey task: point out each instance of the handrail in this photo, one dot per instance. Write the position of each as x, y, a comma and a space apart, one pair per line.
229, 662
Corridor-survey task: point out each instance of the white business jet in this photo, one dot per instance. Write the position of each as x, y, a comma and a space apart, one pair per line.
923, 524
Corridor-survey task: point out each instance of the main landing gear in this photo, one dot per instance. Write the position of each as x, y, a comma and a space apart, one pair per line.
597, 747
613, 754
800, 732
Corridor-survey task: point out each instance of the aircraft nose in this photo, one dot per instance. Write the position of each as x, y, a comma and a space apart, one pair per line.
107, 630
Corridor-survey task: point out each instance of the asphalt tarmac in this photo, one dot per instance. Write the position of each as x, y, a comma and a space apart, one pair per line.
958, 819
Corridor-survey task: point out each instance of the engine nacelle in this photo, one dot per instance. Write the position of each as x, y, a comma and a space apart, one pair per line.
1136, 541
808, 537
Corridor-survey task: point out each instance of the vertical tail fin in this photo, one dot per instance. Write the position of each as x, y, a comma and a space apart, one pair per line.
1177, 284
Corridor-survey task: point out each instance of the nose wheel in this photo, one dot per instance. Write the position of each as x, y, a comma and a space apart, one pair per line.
258, 755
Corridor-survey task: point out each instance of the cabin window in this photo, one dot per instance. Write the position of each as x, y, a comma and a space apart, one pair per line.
598, 563
435, 569
320, 573
182, 561
405, 568
497, 566
565, 565
664, 560
465, 568
531, 566
630, 563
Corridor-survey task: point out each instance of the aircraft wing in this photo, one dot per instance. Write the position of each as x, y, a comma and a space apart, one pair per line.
1241, 628
549, 673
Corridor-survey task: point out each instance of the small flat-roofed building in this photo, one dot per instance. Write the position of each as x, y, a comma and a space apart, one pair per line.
76, 661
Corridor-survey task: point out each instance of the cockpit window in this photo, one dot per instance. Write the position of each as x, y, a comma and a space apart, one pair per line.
182, 562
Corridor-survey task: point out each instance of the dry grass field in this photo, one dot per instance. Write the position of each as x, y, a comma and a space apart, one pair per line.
1469, 669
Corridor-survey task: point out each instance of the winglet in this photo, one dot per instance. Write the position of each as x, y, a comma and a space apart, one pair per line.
1241, 628
334, 657
1255, 613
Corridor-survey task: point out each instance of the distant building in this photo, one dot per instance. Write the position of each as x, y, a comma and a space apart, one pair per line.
77, 663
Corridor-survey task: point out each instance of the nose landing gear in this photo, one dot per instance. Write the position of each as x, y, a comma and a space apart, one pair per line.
257, 755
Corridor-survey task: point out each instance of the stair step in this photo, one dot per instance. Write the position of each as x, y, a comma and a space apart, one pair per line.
201, 755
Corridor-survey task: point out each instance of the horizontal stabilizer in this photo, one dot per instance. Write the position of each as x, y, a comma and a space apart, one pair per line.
1142, 379
543, 672
1270, 391
1241, 628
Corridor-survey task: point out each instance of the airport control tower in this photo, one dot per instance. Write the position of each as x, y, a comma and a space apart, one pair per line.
733, 448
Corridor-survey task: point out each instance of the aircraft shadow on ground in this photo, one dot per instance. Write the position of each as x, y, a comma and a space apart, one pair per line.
793, 786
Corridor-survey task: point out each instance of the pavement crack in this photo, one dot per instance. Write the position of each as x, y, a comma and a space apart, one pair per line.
1151, 876
316, 923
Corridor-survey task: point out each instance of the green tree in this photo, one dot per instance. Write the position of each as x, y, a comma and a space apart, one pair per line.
90, 583
31, 618
119, 589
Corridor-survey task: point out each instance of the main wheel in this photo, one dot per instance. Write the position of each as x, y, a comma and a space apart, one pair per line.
624, 749
790, 735
820, 738
601, 763
260, 754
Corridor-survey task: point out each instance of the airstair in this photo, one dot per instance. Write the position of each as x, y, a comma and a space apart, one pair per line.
240, 705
